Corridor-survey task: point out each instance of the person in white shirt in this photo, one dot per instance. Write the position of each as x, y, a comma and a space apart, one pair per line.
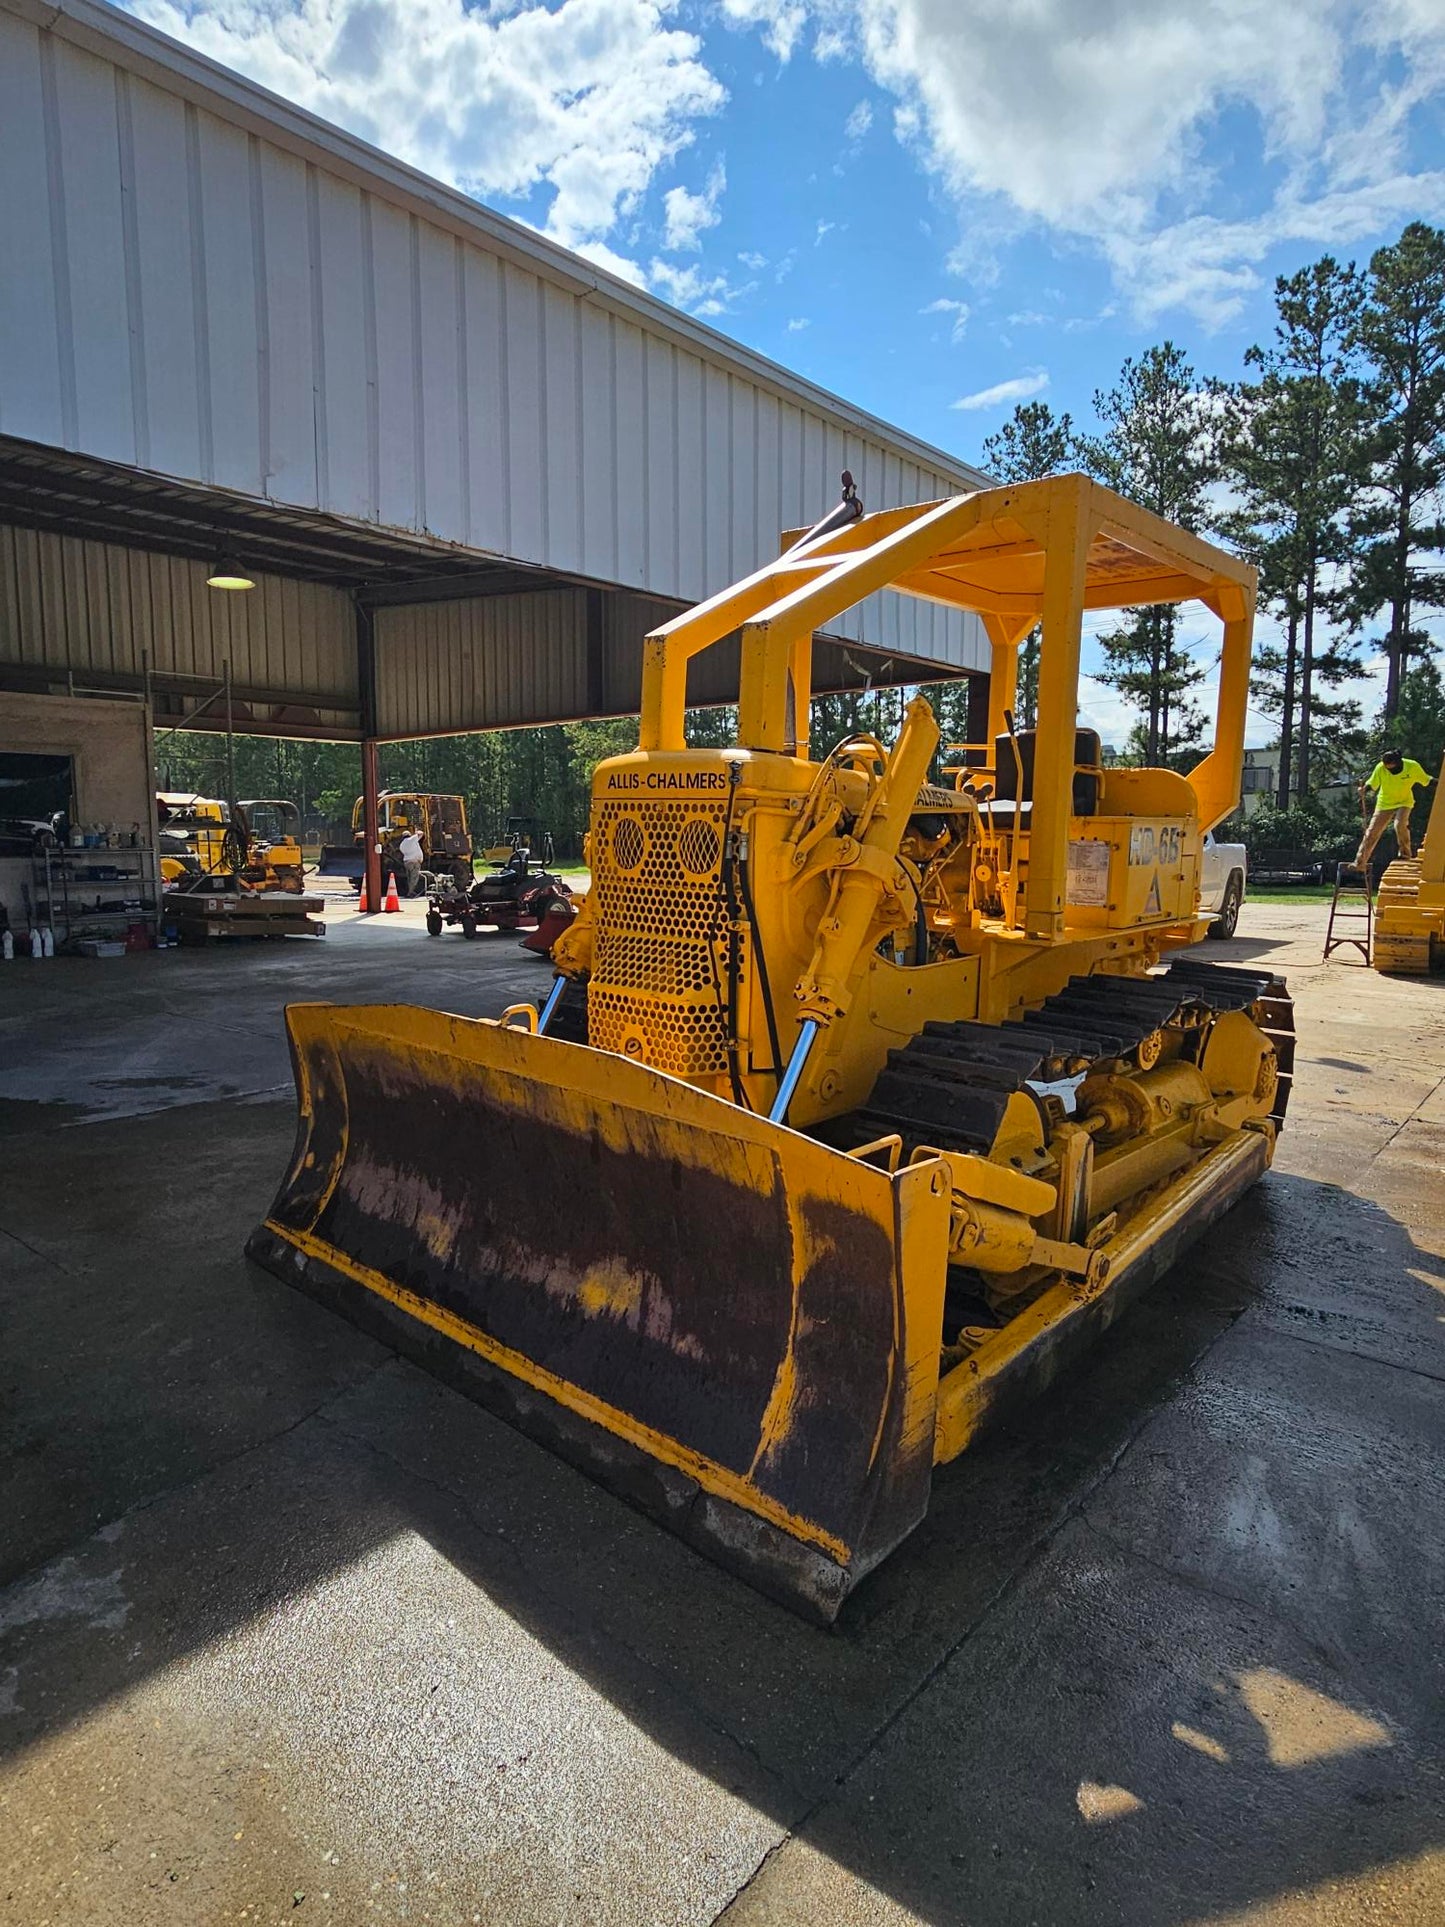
411, 853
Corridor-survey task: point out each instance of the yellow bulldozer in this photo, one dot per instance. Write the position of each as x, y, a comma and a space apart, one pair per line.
1409, 933
860, 1100
440, 821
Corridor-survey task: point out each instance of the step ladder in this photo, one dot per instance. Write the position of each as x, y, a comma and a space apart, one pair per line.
1352, 902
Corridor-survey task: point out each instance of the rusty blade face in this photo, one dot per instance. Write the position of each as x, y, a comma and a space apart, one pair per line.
735, 1326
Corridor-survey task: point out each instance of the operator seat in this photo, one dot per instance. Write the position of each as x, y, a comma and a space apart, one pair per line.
508, 882
1088, 772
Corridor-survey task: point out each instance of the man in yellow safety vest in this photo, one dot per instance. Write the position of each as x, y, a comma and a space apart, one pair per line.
1393, 779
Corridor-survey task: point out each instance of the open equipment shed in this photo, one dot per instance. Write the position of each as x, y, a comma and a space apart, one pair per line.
466, 470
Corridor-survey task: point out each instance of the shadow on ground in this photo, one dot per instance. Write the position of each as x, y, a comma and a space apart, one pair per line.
1155, 1653
1242, 950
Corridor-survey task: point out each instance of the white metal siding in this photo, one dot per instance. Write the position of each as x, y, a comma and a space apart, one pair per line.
201, 281
92, 608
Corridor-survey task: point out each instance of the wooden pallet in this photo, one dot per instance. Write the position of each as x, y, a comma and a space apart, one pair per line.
242, 913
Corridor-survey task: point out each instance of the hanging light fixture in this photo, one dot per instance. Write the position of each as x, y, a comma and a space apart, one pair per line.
227, 573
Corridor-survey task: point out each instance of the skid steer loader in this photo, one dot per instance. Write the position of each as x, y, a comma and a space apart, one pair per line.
865, 1094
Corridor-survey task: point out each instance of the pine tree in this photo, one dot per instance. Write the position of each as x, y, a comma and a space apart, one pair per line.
1289, 446
1419, 724
1402, 338
1033, 443
1157, 449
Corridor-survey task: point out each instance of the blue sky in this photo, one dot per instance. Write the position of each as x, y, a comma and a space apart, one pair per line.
932, 207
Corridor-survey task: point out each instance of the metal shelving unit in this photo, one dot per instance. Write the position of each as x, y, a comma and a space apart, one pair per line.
95, 892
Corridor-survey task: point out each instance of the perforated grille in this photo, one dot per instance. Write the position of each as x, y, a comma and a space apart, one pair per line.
698, 847
687, 1039
628, 843
679, 969
660, 950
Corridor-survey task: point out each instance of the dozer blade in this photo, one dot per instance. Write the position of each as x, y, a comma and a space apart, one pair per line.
733, 1326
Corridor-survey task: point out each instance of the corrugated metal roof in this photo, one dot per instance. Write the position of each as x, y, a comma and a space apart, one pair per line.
110, 616
505, 660
502, 660
91, 609
207, 283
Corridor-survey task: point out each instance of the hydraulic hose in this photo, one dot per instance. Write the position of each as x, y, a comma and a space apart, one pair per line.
745, 882
554, 997
728, 903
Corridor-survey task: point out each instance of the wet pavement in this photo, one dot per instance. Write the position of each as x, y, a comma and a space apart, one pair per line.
290, 1632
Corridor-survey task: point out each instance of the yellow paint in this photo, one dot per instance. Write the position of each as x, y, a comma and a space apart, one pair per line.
1409, 936
611, 1289
777, 1418
965, 1393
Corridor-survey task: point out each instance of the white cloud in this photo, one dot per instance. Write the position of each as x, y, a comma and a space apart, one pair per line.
1075, 323
798, 323
859, 121
584, 99
693, 288
823, 228
688, 216
1004, 392
1210, 265
959, 310
782, 22
1076, 113
1095, 121
752, 260
602, 256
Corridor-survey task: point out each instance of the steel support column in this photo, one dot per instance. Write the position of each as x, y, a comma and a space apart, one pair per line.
366, 692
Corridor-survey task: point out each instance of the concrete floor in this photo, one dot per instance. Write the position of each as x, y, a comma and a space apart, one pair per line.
289, 1632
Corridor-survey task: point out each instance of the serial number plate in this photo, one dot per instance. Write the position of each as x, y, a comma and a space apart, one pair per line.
1088, 878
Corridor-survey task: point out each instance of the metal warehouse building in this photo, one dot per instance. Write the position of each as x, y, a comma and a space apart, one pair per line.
225, 324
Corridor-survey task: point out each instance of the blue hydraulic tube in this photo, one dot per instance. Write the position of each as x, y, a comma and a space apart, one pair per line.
797, 1063
554, 997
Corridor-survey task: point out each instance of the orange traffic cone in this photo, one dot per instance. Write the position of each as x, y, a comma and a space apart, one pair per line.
362, 906
393, 901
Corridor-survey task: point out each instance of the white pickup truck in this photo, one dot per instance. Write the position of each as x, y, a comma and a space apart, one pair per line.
1221, 884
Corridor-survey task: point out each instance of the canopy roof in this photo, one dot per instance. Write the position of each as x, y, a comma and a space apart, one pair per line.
989, 551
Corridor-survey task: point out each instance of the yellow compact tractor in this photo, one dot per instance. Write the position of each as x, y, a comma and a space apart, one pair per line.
524, 833
1409, 935
256, 841
272, 828
860, 1100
